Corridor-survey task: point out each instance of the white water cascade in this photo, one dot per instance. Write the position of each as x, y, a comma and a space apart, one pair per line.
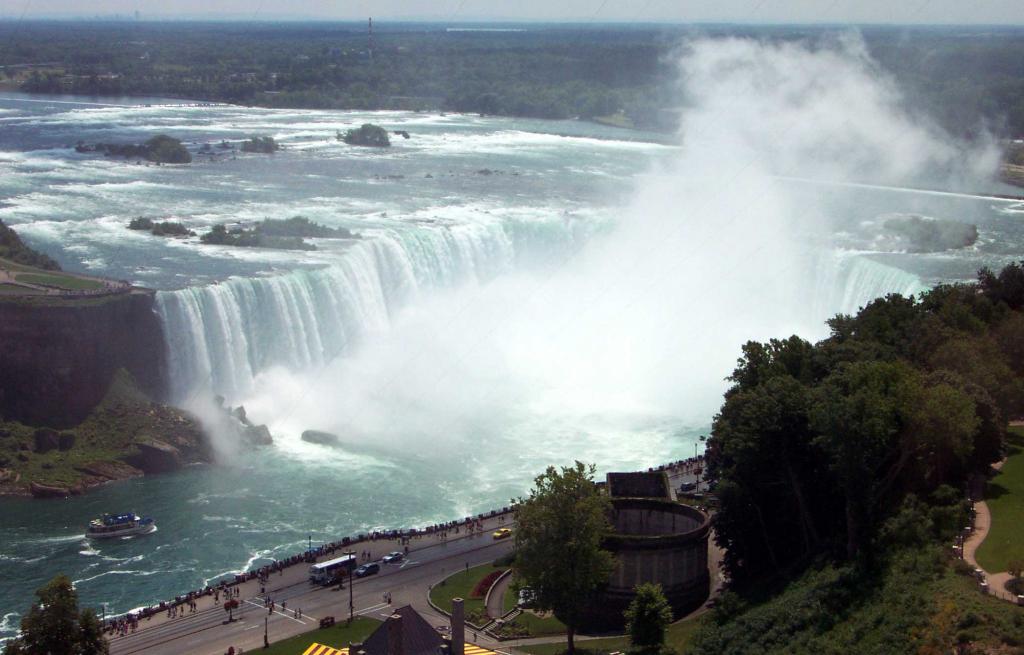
221, 336
846, 281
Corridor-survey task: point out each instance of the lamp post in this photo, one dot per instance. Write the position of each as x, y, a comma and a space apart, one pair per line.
266, 641
351, 600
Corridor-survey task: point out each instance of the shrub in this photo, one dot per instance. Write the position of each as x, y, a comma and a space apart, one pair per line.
480, 590
366, 135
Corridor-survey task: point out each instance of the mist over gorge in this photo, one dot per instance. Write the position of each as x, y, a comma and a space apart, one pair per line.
464, 340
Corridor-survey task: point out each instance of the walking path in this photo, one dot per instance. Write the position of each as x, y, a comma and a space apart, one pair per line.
495, 602
982, 524
431, 556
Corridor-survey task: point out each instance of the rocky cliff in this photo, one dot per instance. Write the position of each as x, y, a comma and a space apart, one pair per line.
124, 436
59, 355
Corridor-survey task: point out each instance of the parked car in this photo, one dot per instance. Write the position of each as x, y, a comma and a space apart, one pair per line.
687, 487
502, 533
392, 557
367, 569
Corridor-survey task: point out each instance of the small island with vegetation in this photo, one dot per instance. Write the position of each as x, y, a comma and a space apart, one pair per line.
261, 144
368, 134
161, 149
283, 234
160, 229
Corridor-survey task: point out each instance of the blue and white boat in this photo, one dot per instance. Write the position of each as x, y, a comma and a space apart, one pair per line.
120, 525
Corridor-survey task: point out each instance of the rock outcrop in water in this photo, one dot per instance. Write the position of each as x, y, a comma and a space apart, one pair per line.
284, 234
912, 233
244, 431
160, 149
265, 144
161, 228
367, 134
321, 438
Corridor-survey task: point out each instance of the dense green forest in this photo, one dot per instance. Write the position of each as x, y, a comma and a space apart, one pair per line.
963, 77
843, 468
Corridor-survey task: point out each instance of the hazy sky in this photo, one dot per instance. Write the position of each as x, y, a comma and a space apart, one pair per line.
755, 11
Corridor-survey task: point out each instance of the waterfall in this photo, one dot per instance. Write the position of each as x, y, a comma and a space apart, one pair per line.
846, 281
221, 336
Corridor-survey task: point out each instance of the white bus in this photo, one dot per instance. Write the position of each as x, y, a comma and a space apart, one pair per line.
329, 571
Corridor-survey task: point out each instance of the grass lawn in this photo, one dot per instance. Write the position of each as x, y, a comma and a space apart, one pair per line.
509, 599
678, 636
337, 636
57, 280
539, 627
461, 585
1005, 499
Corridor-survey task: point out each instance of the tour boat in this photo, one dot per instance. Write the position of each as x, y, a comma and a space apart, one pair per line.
119, 525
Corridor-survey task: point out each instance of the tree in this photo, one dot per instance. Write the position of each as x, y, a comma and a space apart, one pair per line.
366, 135
559, 532
857, 416
1015, 567
772, 506
167, 150
647, 617
55, 626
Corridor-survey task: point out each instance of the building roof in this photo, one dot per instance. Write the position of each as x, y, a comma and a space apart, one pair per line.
320, 649
418, 636
651, 484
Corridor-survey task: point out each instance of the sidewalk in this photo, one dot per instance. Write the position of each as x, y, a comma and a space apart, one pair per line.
982, 524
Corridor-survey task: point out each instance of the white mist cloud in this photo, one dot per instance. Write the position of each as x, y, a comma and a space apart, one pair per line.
644, 324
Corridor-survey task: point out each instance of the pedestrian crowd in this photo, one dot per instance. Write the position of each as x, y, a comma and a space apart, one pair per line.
187, 604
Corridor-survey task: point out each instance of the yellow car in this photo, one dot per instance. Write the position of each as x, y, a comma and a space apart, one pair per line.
502, 533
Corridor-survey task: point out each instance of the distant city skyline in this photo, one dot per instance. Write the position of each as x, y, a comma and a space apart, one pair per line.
947, 12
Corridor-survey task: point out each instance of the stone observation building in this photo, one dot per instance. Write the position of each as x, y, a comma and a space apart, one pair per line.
654, 539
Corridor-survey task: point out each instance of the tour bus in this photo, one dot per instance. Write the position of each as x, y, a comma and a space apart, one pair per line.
328, 572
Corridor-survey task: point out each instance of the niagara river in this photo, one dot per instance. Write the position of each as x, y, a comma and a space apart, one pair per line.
513, 299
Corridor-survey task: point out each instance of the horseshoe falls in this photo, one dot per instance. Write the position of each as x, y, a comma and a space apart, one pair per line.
223, 334
519, 293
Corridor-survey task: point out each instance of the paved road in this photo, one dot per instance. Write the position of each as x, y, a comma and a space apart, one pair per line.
430, 560
206, 632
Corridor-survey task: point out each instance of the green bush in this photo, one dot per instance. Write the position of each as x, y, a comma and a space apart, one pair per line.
366, 135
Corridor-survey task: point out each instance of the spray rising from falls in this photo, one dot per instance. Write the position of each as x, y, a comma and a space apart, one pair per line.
222, 336
644, 321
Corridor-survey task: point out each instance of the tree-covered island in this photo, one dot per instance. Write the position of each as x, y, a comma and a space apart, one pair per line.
367, 134
160, 149
284, 234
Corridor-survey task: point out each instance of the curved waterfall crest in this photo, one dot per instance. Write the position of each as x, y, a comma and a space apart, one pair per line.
222, 336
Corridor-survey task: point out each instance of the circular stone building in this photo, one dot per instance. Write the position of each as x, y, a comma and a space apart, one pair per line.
655, 539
